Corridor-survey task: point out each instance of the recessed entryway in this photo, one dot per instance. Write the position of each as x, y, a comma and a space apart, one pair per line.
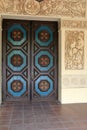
30, 60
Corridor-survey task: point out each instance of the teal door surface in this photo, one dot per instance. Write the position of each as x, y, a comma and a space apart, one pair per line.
29, 60
44, 63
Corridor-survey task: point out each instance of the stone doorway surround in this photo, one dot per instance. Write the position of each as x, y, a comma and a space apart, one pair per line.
72, 79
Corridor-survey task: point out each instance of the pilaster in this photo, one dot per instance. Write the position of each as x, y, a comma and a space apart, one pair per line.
0, 59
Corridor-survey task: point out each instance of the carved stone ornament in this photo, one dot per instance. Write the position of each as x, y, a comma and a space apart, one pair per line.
74, 50
74, 24
31, 7
19, 6
71, 8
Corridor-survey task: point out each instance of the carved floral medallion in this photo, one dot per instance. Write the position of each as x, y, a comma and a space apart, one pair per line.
16, 85
44, 85
44, 61
16, 60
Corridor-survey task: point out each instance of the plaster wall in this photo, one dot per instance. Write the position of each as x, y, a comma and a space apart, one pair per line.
74, 61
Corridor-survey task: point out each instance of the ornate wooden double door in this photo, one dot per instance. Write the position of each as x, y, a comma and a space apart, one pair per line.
29, 60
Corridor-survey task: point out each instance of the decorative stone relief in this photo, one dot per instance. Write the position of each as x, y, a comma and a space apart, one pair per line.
74, 81
19, 6
31, 7
74, 24
63, 8
74, 50
75, 8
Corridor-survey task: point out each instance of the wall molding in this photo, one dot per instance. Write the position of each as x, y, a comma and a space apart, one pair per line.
80, 24
74, 81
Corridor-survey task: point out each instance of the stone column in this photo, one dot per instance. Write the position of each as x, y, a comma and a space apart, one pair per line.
0, 59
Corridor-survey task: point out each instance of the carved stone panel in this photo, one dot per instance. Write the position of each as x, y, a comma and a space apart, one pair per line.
71, 8
63, 7
74, 24
74, 81
19, 6
74, 50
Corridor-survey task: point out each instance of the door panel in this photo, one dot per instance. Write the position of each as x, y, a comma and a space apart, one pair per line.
44, 64
15, 59
29, 60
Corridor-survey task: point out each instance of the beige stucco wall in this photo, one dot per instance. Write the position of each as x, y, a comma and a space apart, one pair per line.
72, 18
74, 77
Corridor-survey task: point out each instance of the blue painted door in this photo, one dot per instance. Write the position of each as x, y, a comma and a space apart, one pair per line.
16, 70
29, 60
44, 63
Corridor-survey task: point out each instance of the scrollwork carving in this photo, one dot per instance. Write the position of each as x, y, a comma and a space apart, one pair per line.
48, 7
63, 8
74, 50
19, 6
74, 24
6, 6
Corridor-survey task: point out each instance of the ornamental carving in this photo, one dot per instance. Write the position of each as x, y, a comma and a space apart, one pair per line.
16, 60
17, 35
74, 24
74, 50
63, 7
44, 36
19, 6
16, 86
44, 60
44, 85
45, 7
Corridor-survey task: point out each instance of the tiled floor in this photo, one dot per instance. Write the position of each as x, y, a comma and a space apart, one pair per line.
43, 116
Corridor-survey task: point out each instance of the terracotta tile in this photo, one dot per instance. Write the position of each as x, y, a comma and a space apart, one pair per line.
29, 120
16, 122
57, 125
40, 120
4, 123
5, 118
30, 127
43, 125
17, 127
17, 116
43, 116
4, 128
77, 128
69, 124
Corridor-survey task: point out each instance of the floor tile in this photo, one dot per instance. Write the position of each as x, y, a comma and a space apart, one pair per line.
43, 116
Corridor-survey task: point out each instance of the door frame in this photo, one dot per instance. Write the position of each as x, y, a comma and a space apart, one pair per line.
36, 18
